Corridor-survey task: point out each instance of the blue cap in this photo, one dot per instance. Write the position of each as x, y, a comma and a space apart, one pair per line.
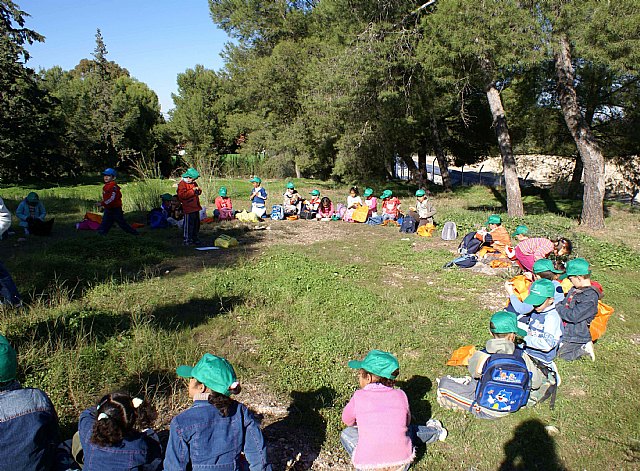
111, 172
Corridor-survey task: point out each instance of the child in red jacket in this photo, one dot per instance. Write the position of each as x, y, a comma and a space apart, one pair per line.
188, 194
112, 204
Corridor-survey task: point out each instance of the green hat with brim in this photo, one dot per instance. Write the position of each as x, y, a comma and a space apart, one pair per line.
32, 197
578, 267
223, 191
379, 363
420, 193
386, 194
368, 192
166, 197
520, 230
544, 264
540, 291
494, 219
290, 186
315, 193
8, 361
214, 372
256, 180
191, 173
504, 322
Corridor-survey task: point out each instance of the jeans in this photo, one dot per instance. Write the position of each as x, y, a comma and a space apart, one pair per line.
8, 291
116, 215
386, 217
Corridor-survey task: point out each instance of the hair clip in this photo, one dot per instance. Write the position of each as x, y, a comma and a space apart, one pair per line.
102, 416
137, 402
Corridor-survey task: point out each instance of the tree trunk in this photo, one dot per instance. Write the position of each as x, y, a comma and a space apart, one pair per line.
514, 197
575, 185
443, 164
411, 165
298, 172
590, 152
422, 156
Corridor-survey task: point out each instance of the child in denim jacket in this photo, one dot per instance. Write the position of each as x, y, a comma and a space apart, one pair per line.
216, 431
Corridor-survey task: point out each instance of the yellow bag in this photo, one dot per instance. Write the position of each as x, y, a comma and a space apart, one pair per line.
244, 216
521, 285
598, 325
225, 241
360, 214
461, 356
426, 230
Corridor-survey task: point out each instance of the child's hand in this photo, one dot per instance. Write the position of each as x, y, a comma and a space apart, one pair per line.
411, 208
508, 286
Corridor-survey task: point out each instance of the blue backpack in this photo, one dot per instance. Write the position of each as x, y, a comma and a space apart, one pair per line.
469, 244
463, 261
505, 383
408, 225
156, 219
277, 212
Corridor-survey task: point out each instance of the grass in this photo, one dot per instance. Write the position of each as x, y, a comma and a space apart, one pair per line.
103, 314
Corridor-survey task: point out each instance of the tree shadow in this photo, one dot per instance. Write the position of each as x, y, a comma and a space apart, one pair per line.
531, 448
302, 431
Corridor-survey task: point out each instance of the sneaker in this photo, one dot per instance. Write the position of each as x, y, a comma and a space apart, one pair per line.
442, 432
588, 348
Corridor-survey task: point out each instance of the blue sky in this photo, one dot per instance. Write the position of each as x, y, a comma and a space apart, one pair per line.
154, 40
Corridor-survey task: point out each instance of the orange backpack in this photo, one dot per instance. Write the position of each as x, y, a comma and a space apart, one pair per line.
598, 325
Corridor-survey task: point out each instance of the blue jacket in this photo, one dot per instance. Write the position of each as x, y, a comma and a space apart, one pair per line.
577, 311
23, 212
137, 452
201, 438
28, 429
260, 197
544, 333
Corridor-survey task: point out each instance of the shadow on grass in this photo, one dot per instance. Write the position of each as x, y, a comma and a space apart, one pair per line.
302, 431
93, 325
531, 448
416, 388
151, 384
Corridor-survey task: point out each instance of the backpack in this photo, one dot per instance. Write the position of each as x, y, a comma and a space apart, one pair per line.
277, 212
374, 220
449, 231
156, 219
464, 261
408, 225
469, 244
505, 383
306, 214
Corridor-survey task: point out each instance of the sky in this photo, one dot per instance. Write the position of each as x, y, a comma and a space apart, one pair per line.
154, 40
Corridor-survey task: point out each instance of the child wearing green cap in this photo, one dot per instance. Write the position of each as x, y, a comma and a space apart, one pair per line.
112, 205
371, 202
189, 196
224, 207
460, 393
29, 431
216, 431
258, 198
577, 311
390, 206
291, 200
423, 211
378, 433
494, 235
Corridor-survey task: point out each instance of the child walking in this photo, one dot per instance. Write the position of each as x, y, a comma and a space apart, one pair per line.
378, 433
216, 431
189, 196
111, 438
112, 204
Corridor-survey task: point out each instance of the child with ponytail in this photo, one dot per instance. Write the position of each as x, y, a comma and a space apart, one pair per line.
111, 438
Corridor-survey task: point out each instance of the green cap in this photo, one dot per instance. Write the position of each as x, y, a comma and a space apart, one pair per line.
166, 197
544, 264
386, 194
503, 322
379, 363
520, 230
33, 197
578, 267
191, 173
256, 180
494, 219
8, 362
290, 186
223, 191
540, 291
214, 372
368, 192
420, 193
315, 193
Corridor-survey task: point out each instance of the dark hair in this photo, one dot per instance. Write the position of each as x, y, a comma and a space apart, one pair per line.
502, 335
325, 202
547, 275
566, 243
121, 416
379, 379
220, 401
354, 189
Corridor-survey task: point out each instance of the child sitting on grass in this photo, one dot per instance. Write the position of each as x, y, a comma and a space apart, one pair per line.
577, 311
460, 393
258, 198
291, 200
353, 202
390, 206
224, 207
371, 202
111, 438
423, 211
378, 434
325, 210
216, 432
31, 213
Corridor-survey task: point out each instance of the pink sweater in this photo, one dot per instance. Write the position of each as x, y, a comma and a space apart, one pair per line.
382, 417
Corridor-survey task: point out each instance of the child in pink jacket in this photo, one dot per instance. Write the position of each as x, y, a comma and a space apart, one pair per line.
378, 433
